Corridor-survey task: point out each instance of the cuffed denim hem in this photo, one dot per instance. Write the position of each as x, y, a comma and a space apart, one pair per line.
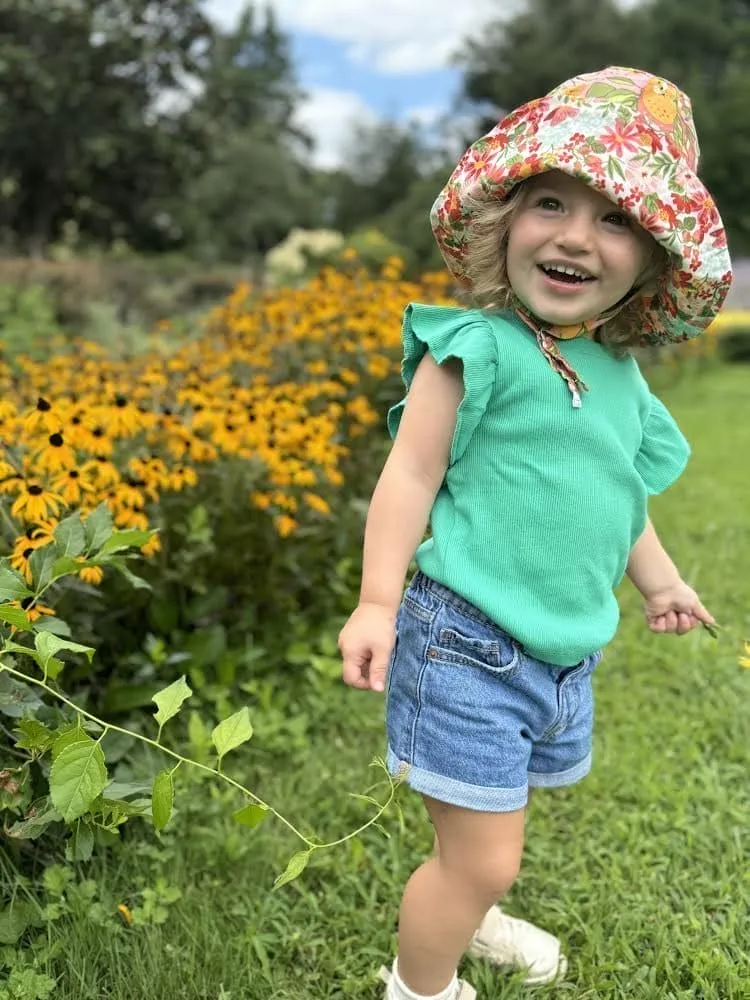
557, 779
458, 793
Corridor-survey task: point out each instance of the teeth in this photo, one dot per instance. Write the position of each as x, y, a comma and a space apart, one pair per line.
565, 270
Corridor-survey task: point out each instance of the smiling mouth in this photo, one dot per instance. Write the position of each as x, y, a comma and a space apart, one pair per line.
568, 275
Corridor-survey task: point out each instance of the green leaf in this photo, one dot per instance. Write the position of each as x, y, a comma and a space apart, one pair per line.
297, 864
47, 645
77, 776
601, 90
169, 700
65, 738
12, 585
98, 527
14, 616
15, 919
251, 815
118, 563
40, 564
81, 844
162, 799
120, 540
232, 732
38, 817
70, 538
49, 623
64, 566
34, 736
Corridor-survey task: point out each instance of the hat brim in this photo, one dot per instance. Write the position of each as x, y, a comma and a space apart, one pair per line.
687, 224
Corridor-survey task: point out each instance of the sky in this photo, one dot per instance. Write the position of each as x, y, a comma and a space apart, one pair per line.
363, 60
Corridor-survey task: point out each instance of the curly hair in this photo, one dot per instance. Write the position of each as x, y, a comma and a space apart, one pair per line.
486, 267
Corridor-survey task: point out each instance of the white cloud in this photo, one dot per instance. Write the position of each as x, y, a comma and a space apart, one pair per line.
330, 117
392, 36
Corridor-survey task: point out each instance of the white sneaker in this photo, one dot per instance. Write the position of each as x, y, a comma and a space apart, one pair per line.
465, 992
506, 940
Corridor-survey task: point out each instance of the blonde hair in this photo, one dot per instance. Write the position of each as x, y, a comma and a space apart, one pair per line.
486, 267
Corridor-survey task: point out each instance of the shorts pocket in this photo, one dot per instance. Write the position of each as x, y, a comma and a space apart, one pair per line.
496, 655
391, 661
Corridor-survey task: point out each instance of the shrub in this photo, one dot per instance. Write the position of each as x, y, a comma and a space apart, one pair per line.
734, 345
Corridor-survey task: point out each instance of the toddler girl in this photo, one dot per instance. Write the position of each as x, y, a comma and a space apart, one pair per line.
530, 441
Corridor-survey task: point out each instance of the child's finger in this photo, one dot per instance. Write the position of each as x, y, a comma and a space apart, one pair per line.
685, 622
354, 670
657, 624
379, 668
702, 614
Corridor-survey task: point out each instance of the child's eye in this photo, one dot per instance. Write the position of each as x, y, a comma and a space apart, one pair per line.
549, 204
617, 219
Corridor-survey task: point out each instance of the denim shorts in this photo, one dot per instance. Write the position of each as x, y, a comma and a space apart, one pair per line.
472, 719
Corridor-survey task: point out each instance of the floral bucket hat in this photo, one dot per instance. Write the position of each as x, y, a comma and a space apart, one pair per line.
629, 135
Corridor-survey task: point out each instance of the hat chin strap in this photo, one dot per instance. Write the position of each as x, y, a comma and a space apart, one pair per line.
576, 329
548, 334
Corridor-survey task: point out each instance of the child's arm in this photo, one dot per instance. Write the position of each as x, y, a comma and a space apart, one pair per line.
671, 605
398, 516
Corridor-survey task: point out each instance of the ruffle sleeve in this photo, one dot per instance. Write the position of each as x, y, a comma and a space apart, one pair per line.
450, 332
664, 452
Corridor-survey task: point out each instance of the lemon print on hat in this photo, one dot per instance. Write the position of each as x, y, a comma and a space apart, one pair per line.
660, 100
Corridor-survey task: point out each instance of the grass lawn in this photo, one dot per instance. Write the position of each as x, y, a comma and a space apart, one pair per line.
642, 869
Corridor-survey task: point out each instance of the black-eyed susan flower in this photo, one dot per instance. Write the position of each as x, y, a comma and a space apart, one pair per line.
42, 419
35, 537
92, 574
35, 503
55, 456
101, 471
285, 525
152, 546
317, 503
127, 518
73, 485
33, 610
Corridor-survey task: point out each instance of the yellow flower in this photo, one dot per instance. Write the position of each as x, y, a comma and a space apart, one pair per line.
35, 503
285, 525
317, 503
744, 661
55, 456
42, 418
32, 610
92, 574
261, 500
71, 486
152, 546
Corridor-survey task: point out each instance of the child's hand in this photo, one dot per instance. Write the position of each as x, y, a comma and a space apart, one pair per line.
366, 642
677, 609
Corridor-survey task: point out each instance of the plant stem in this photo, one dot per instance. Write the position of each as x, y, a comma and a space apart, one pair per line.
202, 767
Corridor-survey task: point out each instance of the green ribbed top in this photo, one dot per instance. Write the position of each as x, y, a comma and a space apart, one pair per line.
541, 502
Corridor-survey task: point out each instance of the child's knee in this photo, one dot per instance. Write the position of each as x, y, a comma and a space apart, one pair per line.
490, 876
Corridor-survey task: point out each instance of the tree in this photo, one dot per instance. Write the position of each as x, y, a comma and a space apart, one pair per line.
254, 186
385, 160
248, 198
82, 134
549, 41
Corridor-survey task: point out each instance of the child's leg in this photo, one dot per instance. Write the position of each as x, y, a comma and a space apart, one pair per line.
446, 899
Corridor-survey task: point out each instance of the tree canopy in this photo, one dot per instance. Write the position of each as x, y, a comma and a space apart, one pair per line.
146, 123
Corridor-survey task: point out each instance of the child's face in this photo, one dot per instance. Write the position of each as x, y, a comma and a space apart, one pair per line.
563, 222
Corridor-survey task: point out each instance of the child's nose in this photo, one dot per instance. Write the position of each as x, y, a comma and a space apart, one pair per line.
576, 231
